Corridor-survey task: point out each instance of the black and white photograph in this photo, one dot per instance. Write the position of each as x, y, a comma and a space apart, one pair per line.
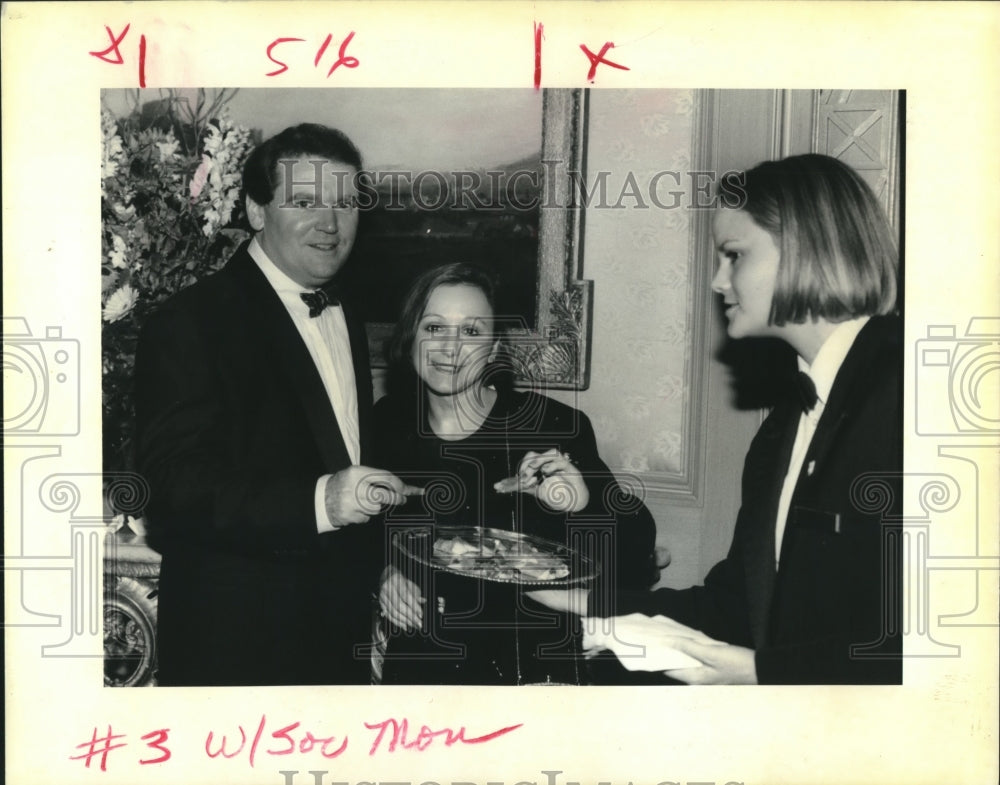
450, 514
477, 393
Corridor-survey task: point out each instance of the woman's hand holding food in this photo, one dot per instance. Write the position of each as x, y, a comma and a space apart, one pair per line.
552, 478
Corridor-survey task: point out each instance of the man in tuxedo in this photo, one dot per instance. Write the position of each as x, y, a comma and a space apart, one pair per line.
253, 402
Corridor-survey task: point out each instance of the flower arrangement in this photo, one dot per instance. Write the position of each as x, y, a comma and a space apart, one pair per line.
170, 183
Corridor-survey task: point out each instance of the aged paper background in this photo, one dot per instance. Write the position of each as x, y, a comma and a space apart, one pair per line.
942, 725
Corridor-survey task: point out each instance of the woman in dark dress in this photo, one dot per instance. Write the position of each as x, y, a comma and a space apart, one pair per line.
493, 457
811, 590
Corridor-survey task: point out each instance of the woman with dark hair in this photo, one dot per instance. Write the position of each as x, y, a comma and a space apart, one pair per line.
810, 591
487, 456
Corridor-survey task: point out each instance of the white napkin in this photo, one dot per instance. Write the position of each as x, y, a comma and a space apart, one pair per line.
642, 643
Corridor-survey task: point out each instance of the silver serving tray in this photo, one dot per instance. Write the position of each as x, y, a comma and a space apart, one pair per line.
496, 555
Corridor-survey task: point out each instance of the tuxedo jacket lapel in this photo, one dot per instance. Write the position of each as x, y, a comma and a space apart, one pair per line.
362, 378
763, 483
847, 394
281, 340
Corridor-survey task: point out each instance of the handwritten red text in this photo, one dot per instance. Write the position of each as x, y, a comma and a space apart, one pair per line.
396, 735
100, 746
293, 740
595, 60
116, 40
343, 59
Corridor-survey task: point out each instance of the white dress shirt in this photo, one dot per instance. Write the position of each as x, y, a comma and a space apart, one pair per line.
823, 371
329, 345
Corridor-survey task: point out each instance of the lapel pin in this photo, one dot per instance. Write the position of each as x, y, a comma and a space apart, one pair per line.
810, 468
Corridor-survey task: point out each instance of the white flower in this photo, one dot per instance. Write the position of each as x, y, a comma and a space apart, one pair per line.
168, 149
213, 139
218, 176
123, 212
212, 220
117, 254
109, 167
120, 303
112, 150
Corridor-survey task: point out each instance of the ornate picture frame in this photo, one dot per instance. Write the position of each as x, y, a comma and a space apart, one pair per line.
556, 354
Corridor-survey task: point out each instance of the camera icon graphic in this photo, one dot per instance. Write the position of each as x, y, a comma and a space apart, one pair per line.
966, 370
41, 381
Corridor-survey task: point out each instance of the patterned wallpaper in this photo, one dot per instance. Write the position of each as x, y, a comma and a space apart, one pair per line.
636, 252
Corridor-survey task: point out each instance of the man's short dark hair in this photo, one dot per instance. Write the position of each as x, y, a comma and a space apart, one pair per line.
260, 173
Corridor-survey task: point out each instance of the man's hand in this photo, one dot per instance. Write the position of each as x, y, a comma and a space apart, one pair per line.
552, 478
355, 494
721, 663
400, 600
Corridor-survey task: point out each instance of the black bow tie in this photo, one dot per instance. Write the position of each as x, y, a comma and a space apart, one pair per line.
807, 391
320, 299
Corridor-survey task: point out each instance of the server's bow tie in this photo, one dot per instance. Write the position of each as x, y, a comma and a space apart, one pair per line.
807, 391
319, 299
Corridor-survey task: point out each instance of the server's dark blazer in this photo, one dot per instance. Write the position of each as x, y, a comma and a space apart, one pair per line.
233, 430
830, 614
